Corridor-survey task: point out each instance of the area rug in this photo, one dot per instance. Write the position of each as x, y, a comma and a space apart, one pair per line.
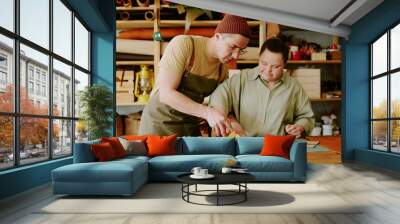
317, 148
166, 198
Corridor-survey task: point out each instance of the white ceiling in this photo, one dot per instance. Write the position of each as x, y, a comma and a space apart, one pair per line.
314, 15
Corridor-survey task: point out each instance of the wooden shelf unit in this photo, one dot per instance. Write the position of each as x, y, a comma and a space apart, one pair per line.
263, 35
294, 62
128, 24
135, 62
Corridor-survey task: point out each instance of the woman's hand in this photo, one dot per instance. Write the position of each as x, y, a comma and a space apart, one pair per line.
294, 129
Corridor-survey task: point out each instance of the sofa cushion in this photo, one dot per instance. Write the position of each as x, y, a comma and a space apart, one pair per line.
206, 145
103, 151
277, 145
185, 163
116, 144
257, 163
134, 147
161, 145
131, 158
249, 145
83, 152
112, 171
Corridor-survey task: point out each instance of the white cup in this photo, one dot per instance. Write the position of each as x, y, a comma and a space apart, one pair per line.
327, 130
196, 170
203, 172
226, 170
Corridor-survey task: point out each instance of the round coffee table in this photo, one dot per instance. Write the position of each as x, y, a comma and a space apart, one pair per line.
238, 179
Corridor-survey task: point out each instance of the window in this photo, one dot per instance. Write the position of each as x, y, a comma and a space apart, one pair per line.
81, 45
44, 91
385, 94
7, 14
35, 22
3, 78
62, 140
62, 30
3, 71
30, 88
37, 74
81, 81
38, 89
3, 61
30, 73
43, 77
62, 75
54, 126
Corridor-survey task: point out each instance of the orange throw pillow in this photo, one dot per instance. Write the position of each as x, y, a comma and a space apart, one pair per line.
277, 145
135, 137
161, 145
116, 145
103, 151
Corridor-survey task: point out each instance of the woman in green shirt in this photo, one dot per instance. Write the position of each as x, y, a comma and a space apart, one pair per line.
265, 99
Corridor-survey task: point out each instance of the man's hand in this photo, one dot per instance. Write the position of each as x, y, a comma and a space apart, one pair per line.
294, 129
218, 121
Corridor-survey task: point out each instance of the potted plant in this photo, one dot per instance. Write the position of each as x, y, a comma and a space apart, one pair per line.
96, 104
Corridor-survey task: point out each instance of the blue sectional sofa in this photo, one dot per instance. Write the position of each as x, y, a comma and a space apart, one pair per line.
125, 176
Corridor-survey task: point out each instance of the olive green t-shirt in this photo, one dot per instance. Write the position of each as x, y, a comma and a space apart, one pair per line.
263, 110
177, 56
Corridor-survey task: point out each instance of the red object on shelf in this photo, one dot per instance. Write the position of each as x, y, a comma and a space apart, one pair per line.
296, 55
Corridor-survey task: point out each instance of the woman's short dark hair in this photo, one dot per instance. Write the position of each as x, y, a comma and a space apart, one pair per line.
276, 45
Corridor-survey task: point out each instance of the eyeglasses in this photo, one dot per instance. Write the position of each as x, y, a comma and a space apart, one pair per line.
236, 49
240, 51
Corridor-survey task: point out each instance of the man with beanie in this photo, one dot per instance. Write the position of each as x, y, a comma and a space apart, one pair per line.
190, 69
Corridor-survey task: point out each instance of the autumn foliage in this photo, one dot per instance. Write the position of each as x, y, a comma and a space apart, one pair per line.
33, 130
380, 127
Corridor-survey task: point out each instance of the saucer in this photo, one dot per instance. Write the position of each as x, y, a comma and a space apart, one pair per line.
208, 176
240, 171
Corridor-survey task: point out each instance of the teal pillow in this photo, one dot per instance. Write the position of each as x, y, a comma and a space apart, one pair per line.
207, 145
249, 145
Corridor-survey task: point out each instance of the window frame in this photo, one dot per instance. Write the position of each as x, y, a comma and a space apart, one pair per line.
388, 74
16, 114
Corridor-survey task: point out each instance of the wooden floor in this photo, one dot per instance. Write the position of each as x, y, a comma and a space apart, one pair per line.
354, 182
334, 156
330, 157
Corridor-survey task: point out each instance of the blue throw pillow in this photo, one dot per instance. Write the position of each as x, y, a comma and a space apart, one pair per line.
207, 145
249, 145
